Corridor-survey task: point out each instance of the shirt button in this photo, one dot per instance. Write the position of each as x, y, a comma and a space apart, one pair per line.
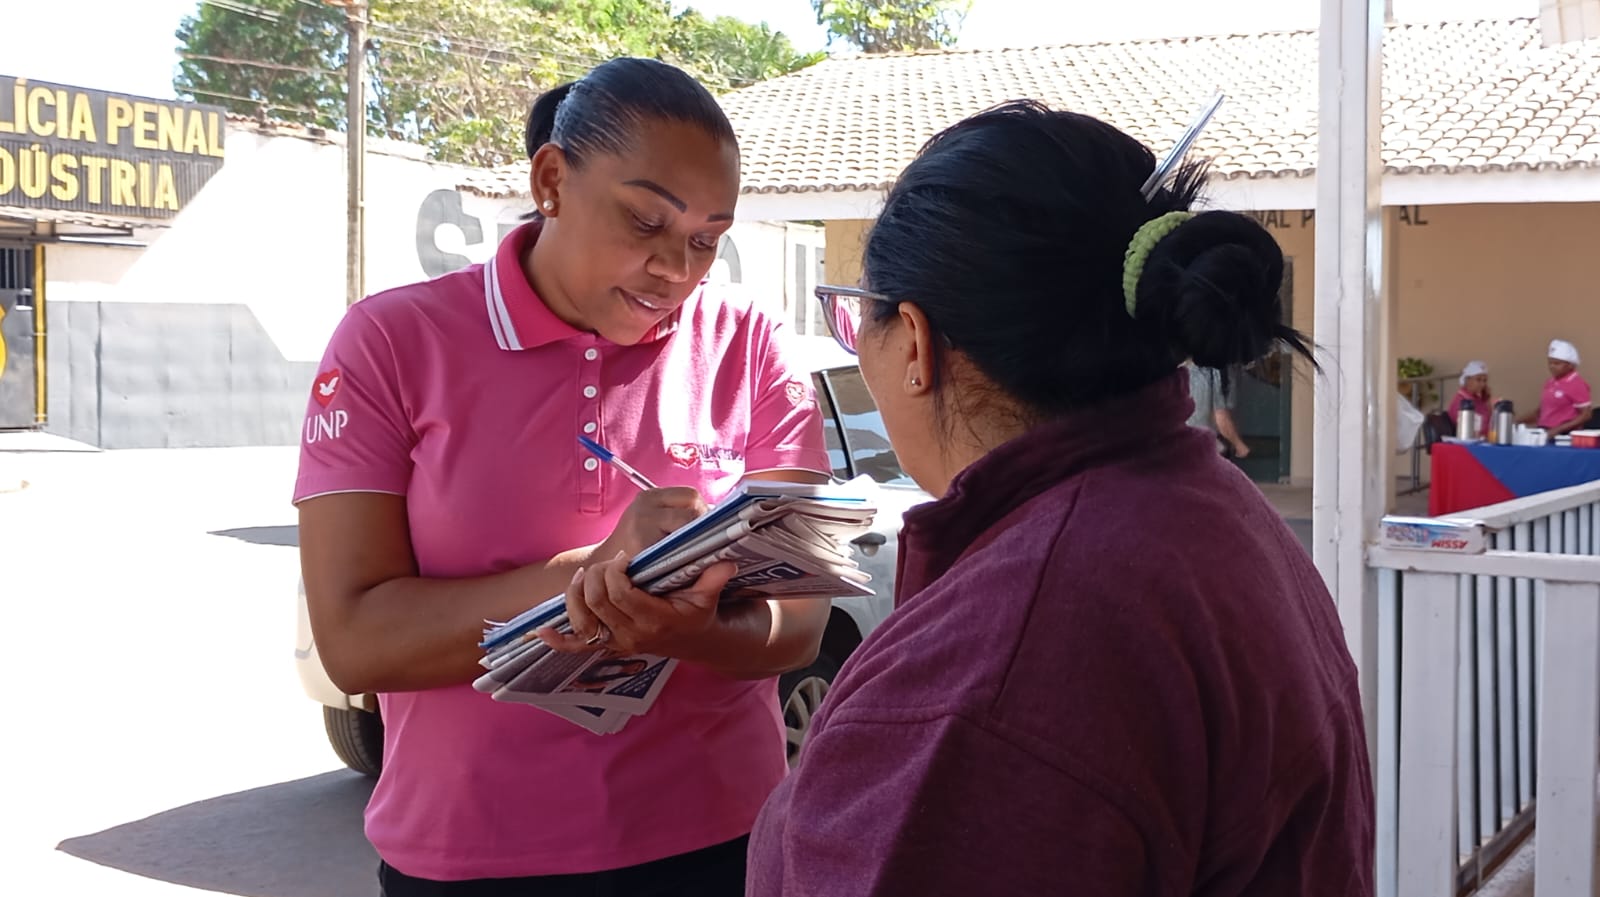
589, 427
590, 392
591, 355
590, 464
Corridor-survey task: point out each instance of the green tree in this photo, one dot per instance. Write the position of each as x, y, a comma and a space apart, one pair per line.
459, 76
455, 75
727, 53
885, 26
293, 51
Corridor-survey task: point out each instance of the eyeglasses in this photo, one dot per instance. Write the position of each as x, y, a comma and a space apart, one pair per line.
841, 308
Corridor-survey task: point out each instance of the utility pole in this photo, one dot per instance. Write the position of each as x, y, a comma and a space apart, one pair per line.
355, 133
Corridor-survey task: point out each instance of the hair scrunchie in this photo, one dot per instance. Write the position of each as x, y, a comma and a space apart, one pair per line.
1144, 240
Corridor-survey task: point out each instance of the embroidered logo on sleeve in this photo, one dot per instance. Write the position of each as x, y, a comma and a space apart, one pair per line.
688, 455
683, 454
326, 386
796, 391
327, 426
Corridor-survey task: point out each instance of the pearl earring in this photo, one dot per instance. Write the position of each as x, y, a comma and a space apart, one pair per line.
549, 205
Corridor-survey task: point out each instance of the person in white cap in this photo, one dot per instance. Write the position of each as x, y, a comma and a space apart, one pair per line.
1566, 402
1474, 389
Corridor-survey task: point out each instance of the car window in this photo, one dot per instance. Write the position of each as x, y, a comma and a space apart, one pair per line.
830, 429
863, 428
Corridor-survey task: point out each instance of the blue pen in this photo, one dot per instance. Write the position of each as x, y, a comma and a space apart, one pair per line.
605, 454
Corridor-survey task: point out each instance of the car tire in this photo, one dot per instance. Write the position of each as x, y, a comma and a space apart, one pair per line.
356, 737
800, 695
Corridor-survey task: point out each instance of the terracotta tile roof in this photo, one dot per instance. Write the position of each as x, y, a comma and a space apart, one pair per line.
1459, 97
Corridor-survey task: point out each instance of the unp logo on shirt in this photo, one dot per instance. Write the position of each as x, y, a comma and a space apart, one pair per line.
328, 425
689, 455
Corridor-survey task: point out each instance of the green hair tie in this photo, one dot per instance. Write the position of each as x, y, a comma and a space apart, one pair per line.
1145, 239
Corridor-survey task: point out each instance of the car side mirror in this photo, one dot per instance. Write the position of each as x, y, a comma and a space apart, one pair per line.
869, 542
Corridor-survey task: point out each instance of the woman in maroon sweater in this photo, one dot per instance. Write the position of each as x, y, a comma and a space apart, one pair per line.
1112, 669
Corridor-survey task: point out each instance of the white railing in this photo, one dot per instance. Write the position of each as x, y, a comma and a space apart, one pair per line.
1489, 669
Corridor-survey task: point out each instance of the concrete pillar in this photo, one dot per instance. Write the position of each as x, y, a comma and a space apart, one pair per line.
1354, 408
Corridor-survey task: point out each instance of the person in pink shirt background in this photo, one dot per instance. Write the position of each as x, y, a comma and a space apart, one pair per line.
1474, 389
442, 485
1566, 403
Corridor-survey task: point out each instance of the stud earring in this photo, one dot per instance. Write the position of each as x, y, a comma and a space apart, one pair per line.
549, 205
916, 382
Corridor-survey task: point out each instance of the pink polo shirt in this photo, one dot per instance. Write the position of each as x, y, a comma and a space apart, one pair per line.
466, 394
1563, 399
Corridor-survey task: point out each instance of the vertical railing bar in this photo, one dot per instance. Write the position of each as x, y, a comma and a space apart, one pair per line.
1429, 671
1388, 759
1538, 684
1526, 672
1506, 694
1569, 751
1487, 789
1466, 711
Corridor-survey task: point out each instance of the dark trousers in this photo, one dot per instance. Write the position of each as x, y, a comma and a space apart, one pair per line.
713, 872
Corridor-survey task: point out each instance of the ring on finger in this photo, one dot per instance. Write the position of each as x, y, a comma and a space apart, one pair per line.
601, 634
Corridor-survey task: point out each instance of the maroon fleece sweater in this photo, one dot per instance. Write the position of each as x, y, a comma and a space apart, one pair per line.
1112, 670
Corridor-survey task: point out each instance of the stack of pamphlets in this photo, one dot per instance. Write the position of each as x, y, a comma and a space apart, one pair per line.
787, 540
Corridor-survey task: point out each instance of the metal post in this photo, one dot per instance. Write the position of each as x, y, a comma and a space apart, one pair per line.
355, 147
1352, 435
41, 347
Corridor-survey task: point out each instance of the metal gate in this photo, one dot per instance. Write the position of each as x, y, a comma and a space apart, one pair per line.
17, 372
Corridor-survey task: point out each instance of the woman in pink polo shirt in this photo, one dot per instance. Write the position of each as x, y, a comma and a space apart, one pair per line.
1474, 389
1565, 403
442, 485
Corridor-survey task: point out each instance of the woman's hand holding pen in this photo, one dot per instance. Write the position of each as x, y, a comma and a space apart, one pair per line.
653, 514
605, 609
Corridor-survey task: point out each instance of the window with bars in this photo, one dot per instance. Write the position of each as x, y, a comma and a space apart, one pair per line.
16, 273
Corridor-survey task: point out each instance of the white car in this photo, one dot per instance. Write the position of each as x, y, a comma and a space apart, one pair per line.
857, 444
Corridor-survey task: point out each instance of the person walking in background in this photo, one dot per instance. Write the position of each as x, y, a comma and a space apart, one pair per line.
1213, 408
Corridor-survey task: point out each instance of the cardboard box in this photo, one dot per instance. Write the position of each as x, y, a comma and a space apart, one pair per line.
1453, 535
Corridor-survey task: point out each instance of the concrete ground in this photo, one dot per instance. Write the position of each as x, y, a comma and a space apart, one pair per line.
157, 741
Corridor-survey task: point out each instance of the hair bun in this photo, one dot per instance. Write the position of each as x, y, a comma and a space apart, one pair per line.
542, 117
1212, 289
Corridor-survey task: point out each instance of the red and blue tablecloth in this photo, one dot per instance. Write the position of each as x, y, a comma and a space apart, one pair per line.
1474, 475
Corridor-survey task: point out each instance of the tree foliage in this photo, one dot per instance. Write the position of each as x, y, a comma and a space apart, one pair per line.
296, 45
455, 75
886, 26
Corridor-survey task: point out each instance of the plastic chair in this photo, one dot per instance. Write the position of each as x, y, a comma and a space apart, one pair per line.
1435, 427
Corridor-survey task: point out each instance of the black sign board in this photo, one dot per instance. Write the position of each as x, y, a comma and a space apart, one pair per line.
70, 148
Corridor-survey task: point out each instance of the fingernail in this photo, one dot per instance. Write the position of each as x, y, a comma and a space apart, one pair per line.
620, 555
577, 576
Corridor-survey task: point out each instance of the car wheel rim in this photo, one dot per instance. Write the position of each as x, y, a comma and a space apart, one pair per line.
802, 705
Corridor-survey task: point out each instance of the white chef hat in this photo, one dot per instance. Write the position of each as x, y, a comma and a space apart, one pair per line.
1473, 369
1561, 350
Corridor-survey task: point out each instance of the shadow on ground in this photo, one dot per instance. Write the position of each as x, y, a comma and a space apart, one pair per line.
297, 839
263, 535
